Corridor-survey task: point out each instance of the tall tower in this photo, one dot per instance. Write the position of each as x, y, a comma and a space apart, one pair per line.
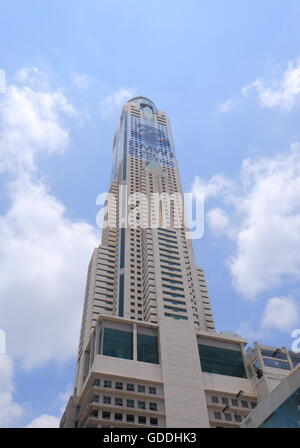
147, 314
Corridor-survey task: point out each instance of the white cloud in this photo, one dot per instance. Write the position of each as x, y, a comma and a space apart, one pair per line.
283, 93
10, 411
264, 221
268, 237
226, 106
114, 101
44, 258
218, 221
31, 124
33, 77
44, 421
63, 398
52, 421
281, 313
81, 80
247, 332
218, 185
2, 82
43, 254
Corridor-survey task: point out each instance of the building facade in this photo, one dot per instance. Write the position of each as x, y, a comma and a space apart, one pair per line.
149, 354
280, 408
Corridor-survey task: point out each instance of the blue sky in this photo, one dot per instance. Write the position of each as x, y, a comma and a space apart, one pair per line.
228, 76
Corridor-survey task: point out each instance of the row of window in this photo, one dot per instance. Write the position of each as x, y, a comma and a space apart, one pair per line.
234, 402
176, 316
119, 344
228, 417
129, 418
119, 385
152, 406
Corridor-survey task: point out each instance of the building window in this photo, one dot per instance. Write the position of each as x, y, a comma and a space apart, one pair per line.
228, 417
130, 387
119, 385
130, 403
118, 401
253, 405
130, 418
152, 390
153, 421
106, 415
277, 354
118, 416
244, 404
142, 420
295, 358
96, 382
141, 388
214, 399
147, 348
153, 406
238, 418
221, 361
275, 363
106, 400
225, 400
107, 383
234, 402
117, 343
141, 405
218, 415
95, 399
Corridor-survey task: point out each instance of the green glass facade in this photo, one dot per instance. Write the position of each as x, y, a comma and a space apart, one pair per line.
287, 415
116, 343
147, 348
222, 361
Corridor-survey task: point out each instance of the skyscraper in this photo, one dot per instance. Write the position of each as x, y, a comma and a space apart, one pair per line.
149, 354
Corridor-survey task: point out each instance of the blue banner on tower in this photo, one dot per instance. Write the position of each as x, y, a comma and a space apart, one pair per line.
150, 143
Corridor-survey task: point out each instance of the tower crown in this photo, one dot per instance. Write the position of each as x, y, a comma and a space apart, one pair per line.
143, 101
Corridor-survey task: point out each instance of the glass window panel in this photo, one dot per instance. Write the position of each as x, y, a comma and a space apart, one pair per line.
273, 354
276, 364
147, 348
153, 421
117, 343
222, 361
295, 359
287, 415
